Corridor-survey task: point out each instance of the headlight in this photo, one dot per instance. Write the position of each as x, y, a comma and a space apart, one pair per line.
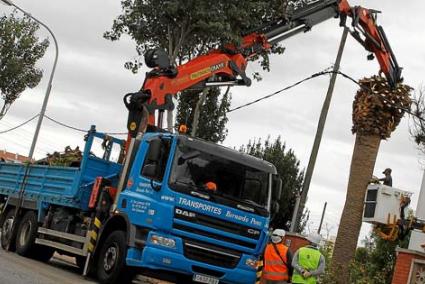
162, 241
251, 262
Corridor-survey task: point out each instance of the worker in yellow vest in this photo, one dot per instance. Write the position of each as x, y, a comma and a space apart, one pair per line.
308, 262
277, 260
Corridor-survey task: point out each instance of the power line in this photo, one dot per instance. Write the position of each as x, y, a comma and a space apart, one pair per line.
57, 122
18, 139
79, 129
65, 125
318, 74
20, 125
315, 75
26, 135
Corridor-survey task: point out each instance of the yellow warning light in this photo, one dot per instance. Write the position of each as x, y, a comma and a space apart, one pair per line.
133, 126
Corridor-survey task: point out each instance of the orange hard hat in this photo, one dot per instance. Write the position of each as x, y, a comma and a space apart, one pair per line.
211, 186
182, 129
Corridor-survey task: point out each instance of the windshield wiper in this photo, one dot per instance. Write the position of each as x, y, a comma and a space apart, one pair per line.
184, 183
251, 202
197, 189
256, 207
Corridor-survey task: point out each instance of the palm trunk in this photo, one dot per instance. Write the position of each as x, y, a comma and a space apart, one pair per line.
362, 165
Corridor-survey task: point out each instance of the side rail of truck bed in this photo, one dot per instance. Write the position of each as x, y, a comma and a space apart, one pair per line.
64, 186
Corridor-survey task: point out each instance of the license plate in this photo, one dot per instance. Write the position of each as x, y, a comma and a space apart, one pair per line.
205, 279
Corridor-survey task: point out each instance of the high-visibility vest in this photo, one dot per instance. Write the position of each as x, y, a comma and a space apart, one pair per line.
308, 258
274, 267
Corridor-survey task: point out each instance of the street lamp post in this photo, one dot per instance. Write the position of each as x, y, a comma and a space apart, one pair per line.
49, 86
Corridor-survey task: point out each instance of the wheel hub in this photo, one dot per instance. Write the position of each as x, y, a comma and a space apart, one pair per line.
110, 258
7, 228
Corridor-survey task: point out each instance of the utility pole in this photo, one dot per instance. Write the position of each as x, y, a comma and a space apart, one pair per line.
320, 127
49, 84
294, 214
321, 219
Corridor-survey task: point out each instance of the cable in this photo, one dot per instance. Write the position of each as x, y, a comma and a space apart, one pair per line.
324, 72
315, 75
20, 125
27, 136
65, 125
79, 129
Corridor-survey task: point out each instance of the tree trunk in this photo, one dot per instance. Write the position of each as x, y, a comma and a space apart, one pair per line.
198, 111
362, 165
4, 110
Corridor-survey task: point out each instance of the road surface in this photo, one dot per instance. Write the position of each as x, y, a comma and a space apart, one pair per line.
15, 269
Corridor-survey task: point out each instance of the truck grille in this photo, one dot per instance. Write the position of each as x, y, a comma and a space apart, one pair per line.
214, 236
211, 254
208, 221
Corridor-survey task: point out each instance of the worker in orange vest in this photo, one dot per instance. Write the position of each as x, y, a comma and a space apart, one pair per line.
277, 260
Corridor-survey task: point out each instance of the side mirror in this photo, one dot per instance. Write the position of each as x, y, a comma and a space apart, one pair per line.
277, 188
150, 171
154, 153
275, 209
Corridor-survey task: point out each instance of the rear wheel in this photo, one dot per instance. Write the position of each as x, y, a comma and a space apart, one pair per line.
26, 234
6, 231
111, 267
25, 239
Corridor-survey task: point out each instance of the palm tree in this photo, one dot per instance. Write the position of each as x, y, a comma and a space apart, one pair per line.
377, 110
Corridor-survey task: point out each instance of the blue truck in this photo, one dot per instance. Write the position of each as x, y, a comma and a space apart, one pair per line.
190, 209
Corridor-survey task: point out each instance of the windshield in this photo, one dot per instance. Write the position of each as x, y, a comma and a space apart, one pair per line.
195, 169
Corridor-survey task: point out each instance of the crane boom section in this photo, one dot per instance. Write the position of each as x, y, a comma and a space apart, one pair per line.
226, 66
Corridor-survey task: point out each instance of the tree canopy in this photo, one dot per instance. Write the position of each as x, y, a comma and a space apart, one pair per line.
20, 49
288, 168
212, 118
186, 29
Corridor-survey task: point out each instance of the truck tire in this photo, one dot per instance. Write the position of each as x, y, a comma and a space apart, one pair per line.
111, 266
5, 231
25, 239
26, 234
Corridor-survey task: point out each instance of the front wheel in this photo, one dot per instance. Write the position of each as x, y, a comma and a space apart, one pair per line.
111, 267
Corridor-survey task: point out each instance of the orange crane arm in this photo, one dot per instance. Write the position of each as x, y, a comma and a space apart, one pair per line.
226, 66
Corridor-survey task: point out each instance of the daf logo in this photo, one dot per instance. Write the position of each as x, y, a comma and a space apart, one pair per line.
253, 232
185, 213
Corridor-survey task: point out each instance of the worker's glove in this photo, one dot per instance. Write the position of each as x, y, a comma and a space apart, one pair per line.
306, 274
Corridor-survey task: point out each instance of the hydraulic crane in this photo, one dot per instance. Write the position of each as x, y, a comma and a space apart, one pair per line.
225, 66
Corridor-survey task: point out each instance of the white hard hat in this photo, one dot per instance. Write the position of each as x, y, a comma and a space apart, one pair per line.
314, 238
278, 235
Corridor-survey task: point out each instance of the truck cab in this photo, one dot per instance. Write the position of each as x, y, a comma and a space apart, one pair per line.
189, 208
198, 208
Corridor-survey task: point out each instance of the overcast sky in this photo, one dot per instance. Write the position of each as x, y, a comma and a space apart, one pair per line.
90, 82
